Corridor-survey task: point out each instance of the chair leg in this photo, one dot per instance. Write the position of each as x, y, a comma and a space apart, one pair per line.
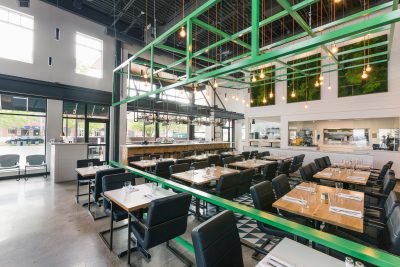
77, 191
26, 178
260, 249
179, 255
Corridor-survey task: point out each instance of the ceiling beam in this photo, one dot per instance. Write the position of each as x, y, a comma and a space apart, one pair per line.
391, 33
122, 12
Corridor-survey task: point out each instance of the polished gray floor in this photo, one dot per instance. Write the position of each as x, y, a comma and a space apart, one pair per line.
41, 225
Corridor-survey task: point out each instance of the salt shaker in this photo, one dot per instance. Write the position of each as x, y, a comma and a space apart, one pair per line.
349, 262
359, 264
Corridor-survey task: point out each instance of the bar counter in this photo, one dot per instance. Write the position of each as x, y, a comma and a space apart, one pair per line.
175, 148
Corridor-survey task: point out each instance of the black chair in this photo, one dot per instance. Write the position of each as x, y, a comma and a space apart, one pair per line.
328, 162
320, 163
263, 198
377, 194
284, 167
35, 162
260, 155
10, 162
214, 159
155, 156
268, 172
80, 180
382, 215
301, 157
216, 242
253, 153
134, 158
162, 168
199, 165
185, 154
227, 186
281, 185
96, 188
307, 172
228, 160
166, 220
177, 168
112, 182
239, 158
180, 161
244, 182
246, 154
295, 164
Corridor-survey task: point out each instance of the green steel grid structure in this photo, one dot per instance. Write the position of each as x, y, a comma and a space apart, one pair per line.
368, 254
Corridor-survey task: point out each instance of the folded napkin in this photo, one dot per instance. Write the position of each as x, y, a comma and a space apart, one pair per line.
356, 178
305, 188
344, 211
271, 260
295, 200
326, 174
343, 195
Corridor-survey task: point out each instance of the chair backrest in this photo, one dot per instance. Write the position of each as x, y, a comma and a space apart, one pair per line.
166, 219
390, 164
263, 154
327, 160
295, 164
177, 168
115, 181
199, 165
284, 167
393, 226
162, 168
389, 182
35, 159
320, 163
246, 154
185, 154
9, 160
228, 160
263, 196
82, 163
180, 161
270, 170
216, 242
384, 170
313, 167
301, 158
134, 158
98, 180
307, 172
239, 158
392, 201
253, 153
227, 185
244, 182
156, 156
281, 185
214, 159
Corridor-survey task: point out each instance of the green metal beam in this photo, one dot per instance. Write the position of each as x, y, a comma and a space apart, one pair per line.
255, 27
286, 5
359, 251
392, 27
219, 32
189, 49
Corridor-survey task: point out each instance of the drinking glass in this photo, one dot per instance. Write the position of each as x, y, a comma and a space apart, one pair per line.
314, 187
225, 166
213, 166
153, 187
192, 171
306, 200
339, 187
349, 262
332, 200
127, 185
90, 165
141, 158
153, 159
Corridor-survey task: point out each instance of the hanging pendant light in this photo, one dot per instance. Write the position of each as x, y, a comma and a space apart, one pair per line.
226, 98
364, 75
251, 101
237, 98
264, 100
329, 87
145, 75
215, 83
182, 32
306, 106
316, 84
293, 94
271, 94
321, 77
262, 75
368, 69
254, 79
334, 49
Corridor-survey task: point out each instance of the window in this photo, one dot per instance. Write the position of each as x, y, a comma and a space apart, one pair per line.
22, 126
139, 128
176, 95
138, 87
302, 79
16, 28
89, 55
200, 132
263, 91
200, 98
174, 130
352, 58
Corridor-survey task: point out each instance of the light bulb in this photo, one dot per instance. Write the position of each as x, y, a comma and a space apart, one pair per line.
293, 94
283, 98
321, 78
334, 49
329, 87
237, 98
262, 75
316, 84
233, 96
251, 101
271, 95
254, 79
182, 32
215, 84
306, 106
145, 76
264, 100
321, 83
364, 75
243, 101
368, 69
247, 105
338, 1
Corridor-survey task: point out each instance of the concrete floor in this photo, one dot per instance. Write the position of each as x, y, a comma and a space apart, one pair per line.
41, 225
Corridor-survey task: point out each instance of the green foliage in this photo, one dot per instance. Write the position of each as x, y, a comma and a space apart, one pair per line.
304, 86
262, 88
350, 81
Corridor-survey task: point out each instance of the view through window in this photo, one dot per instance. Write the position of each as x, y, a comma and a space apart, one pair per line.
89, 55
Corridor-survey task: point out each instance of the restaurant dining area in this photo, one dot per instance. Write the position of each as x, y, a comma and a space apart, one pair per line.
207, 133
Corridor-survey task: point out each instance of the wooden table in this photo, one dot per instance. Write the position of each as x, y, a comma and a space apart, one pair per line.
344, 176
144, 164
319, 210
277, 158
230, 153
201, 177
91, 171
200, 157
364, 167
250, 163
297, 257
136, 199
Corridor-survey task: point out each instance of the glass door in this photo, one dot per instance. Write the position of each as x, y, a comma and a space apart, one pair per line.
97, 136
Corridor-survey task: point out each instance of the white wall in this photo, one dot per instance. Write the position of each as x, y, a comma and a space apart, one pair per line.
46, 19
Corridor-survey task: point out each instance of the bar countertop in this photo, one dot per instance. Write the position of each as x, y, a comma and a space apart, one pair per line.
174, 144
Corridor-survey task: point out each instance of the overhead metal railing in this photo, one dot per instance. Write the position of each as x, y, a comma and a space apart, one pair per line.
371, 255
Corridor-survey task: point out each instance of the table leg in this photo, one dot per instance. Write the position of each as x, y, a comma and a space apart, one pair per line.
111, 226
129, 239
